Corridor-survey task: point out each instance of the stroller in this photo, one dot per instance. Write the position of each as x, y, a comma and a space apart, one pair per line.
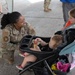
45, 59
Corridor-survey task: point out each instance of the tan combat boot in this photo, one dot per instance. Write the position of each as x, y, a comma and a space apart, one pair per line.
47, 10
10, 61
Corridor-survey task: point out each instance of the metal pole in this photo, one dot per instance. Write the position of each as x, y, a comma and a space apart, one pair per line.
12, 5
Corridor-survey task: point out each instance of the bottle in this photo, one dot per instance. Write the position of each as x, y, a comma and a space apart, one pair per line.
35, 44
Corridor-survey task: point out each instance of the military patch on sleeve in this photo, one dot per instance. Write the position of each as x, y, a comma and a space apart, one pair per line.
6, 32
5, 38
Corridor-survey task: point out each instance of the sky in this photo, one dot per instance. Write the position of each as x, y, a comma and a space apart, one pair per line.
34, 1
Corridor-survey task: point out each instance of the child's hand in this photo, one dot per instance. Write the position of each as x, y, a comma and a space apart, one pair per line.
37, 40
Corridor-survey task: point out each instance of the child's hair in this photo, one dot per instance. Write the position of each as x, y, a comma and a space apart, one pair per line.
58, 39
72, 12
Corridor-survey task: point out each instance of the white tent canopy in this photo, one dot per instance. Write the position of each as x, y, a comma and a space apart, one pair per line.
7, 5
10, 5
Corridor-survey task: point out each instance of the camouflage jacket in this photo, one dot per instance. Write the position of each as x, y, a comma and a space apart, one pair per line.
10, 34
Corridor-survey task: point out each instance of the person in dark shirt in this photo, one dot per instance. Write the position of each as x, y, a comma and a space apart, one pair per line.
54, 42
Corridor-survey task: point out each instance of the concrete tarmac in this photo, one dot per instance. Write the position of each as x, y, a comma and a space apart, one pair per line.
45, 24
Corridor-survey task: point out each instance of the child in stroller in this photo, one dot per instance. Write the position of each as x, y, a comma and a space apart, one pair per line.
71, 22
69, 32
54, 42
51, 55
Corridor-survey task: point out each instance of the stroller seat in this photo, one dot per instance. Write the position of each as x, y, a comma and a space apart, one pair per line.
42, 57
68, 37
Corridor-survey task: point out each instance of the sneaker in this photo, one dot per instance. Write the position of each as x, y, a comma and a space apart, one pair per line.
10, 61
49, 9
22, 54
19, 67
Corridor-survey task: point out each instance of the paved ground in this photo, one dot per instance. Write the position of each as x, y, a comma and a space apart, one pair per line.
44, 23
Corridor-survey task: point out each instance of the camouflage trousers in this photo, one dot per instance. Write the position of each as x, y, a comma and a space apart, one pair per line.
46, 4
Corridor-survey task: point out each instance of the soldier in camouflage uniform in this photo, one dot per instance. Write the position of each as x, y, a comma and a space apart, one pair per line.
14, 28
46, 5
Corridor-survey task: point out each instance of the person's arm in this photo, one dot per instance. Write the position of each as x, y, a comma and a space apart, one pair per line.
31, 30
39, 40
5, 38
35, 43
